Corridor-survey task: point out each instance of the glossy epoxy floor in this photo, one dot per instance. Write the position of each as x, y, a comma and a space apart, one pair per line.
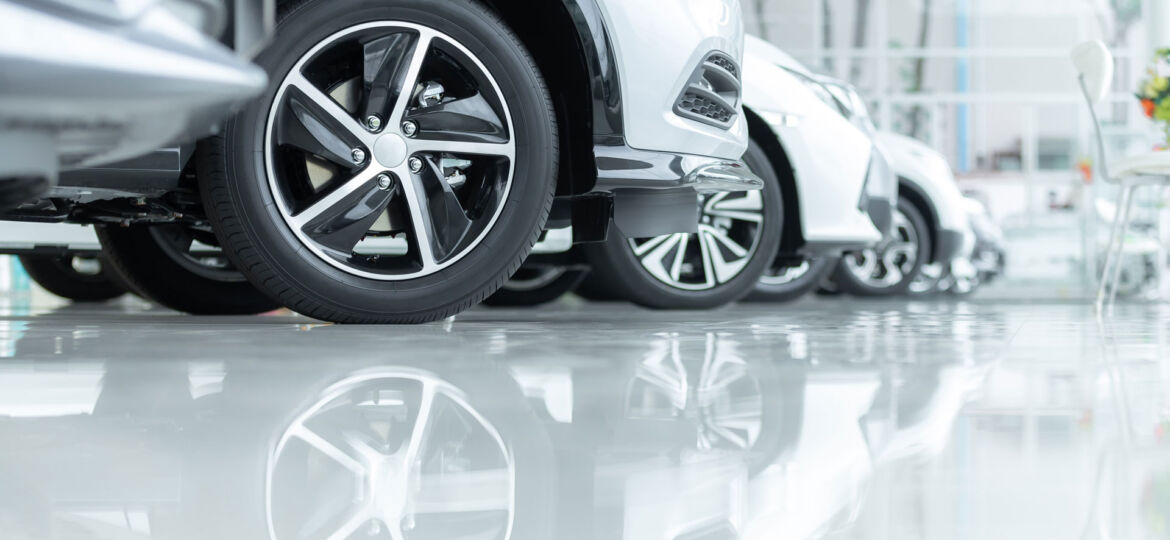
829, 418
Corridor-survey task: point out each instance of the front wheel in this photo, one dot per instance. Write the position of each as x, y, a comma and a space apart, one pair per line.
891, 267
398, 170
739, 234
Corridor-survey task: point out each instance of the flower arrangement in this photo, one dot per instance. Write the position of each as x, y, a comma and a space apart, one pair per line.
1154, 90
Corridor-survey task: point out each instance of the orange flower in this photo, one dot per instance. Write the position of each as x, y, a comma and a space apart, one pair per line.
1148, 106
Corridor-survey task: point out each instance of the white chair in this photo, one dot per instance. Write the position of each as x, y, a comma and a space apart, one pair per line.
1095, 66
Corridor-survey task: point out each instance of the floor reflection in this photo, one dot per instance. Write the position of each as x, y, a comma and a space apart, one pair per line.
922, 420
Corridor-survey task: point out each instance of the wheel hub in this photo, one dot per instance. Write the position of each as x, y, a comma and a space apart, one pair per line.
390, 150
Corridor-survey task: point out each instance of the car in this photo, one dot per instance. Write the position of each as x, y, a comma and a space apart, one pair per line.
406, 156
931, 224
822, 142
129, 77
828, 189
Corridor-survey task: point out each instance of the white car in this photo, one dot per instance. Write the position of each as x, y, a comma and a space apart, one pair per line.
840, 191
828, 189
406, 155
932, 232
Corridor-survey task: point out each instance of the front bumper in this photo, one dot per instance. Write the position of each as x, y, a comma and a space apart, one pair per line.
656, 193
952, 244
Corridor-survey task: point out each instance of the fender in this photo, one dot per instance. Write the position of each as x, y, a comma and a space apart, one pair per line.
604, 83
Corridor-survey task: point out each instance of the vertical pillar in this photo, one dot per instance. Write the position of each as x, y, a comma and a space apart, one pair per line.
1157, 16
963, 84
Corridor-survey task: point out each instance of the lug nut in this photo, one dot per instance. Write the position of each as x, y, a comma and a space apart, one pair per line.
374, 123
384, 182
409, 128
416, 165
358, 155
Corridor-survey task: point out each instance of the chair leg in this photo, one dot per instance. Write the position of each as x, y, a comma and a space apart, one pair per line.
1116, 237
1125, 215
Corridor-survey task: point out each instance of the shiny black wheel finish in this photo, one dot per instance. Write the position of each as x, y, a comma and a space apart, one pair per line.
79, 278
161, 263
398, 170
739, 234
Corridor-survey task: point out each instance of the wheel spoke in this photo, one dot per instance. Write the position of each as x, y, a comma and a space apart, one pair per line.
865, 268
328, 449
409, 78
383, 60
641, 249
341, 218
470, 119
341, 226
422, 420
653, 260
749, 207
717, 266
506, 149
679, 257
313, 122
438, 219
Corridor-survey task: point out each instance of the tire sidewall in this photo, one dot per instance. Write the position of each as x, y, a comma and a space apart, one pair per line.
524, 211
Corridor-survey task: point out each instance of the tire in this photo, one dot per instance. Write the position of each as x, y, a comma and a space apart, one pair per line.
616, 265
160, 274
59, 275
913, 248
258, 194
536, 285
787, 284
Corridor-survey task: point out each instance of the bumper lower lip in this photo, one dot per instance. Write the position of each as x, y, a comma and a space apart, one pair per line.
949, 245
881, 212
724, 176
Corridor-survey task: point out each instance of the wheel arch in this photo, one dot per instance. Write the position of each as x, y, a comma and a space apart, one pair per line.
915, 195
793, 236
569, 43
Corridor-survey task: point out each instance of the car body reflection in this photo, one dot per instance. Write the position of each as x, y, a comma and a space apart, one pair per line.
759, 433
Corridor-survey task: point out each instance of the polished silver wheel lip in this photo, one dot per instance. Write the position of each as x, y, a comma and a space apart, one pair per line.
866, 264
393, 127
651, 253
431, 387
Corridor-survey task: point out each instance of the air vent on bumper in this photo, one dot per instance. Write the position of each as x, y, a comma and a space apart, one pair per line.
712, 94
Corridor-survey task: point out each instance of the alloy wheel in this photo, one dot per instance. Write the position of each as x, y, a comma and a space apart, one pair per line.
392, 454
888, 264
390, 150
730, 227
